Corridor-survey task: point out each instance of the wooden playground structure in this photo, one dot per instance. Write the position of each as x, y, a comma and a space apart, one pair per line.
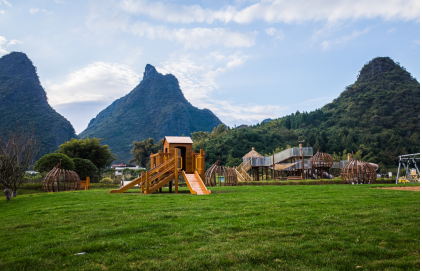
178, 159
291, 162
300, 163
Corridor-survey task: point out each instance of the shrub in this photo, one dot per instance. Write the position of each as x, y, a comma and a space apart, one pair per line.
85, 168
89, 148
106, 181
49, 161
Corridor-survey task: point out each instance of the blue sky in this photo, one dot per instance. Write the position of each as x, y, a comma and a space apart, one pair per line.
244, 60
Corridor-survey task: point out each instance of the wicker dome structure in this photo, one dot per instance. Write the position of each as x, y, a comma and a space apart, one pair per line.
227, 176
321, 161
61, 180
358, 172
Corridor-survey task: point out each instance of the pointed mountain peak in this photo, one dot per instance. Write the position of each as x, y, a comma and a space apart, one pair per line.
150, 72
17, 63
382, 68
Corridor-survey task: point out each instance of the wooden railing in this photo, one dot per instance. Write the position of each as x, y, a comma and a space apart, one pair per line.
243, 168
159, 158
156, 174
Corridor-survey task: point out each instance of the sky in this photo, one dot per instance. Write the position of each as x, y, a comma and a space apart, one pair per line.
244, 60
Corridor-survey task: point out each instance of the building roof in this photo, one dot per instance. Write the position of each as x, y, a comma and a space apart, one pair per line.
253, 154
122, 165
178, 140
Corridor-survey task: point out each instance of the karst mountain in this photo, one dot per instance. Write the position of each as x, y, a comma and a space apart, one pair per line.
23, 102
155, 108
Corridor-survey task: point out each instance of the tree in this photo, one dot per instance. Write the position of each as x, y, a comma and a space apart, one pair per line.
143, 149
85, 168
89, 148
16, 154
49, 161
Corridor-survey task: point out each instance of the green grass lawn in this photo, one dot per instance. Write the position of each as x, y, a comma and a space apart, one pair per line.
300, 227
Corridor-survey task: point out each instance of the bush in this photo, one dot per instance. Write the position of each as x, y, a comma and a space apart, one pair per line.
49, 161
106, 181
89, 148
85, 168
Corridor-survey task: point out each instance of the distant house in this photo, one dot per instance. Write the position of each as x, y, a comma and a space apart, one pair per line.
242, 126
120, 167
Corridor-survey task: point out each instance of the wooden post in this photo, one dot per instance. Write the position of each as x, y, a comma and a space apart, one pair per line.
266, 173
202, 163
303, 165
147, 182
176, 171
273, 168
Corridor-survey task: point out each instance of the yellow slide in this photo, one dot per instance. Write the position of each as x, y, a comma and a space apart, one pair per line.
129, 185
195, 184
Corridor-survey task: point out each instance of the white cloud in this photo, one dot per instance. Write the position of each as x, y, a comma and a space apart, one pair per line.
278, 34
325, 45
319, 100
3, 51
391, 30
33, 10
355, 34
36, 10
195, 37
286, 11
198, 83
96, 82
1, 11
60, 1
6, 3
12, 42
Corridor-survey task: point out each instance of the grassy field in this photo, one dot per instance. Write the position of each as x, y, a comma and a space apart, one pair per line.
300, 227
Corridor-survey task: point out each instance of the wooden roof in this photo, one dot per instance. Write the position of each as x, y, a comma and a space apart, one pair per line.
253, 154
178, 140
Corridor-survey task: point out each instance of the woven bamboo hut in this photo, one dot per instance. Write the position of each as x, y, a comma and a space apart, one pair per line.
252, 154
61, 180
220, 175
321, 162
358, 172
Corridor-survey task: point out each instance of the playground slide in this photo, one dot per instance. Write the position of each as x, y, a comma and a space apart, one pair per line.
195, 184
129, 185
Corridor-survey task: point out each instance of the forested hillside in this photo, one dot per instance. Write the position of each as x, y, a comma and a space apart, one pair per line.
154, 109
377, 118
23, 102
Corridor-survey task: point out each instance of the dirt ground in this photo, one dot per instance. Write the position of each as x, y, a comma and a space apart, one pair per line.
408, 188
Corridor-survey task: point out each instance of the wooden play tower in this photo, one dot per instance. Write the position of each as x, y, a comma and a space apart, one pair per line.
177, 159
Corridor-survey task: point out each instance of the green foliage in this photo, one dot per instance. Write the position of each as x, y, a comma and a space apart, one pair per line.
85, 168
106, 181
377, 118
143, 149
49, 161
89, 148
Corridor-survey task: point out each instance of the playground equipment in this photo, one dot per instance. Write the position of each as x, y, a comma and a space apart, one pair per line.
220, 175
290, 160
358, 172
406, 161
321, 162
177, 159
61, 180
85, 184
